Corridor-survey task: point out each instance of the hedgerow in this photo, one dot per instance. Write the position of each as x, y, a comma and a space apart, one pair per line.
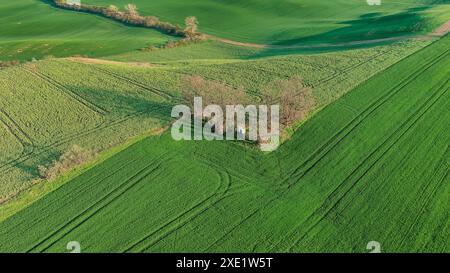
131, 16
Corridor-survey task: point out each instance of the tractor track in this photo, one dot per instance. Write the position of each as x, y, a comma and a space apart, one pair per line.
355, 122
351, 68
327, 207
188, 215
98, 205
226, 234
93, 107
65, 139
156, 91
19, 134
28, 146
435, 60
427, 198
10, 165
104, 125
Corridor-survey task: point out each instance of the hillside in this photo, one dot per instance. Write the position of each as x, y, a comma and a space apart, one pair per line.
34, 29
97, 105
86, 154
355, 172
298, 21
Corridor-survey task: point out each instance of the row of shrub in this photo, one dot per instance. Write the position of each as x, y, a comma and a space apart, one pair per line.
132, 16
177, 43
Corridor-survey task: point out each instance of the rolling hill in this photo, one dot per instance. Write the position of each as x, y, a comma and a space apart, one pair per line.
368, 163
35, 29
354, 173
298, 21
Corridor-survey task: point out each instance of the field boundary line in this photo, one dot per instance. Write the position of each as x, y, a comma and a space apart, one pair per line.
99, 204
193, 212
347, 185
356, 121
66, 139
437, 33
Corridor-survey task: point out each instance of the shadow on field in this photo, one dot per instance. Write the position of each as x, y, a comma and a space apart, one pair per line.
122, 108
31, 167
118, 104
369, 26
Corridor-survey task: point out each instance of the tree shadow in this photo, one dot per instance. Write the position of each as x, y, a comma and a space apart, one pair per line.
121, 104
121, 108
356, 33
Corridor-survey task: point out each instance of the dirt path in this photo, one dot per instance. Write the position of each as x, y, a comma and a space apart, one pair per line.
439, 32
101, 61
442, 30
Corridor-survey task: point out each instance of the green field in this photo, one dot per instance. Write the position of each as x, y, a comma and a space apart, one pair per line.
34, 29
369, 162
299, 21
371, 166
97, 105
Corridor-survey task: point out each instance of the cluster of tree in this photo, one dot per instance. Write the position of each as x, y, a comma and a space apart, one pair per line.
295, 98
131, 16
212, 92
72, 158
8, 63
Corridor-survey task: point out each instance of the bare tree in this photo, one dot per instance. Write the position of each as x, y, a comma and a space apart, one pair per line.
295, 98
132, 10
191, 26
212, 92
151, 21
112, 11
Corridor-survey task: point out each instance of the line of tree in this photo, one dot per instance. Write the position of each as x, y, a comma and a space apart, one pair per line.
131, 16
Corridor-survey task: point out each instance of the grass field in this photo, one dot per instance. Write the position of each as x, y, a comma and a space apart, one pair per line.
369, 163
370, 166
299, 21
50, 110
97, 105
34, 29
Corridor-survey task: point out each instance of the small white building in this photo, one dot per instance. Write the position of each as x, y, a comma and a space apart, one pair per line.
241, 130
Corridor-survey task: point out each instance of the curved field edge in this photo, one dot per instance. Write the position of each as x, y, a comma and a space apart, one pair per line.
34, 29
32, 194
130, 90
372, 104
298, 21
103, 38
